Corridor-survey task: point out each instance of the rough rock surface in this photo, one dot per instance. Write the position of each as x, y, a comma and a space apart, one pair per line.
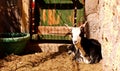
104, 26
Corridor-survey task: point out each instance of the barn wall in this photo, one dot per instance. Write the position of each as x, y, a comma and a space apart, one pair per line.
104, 24
14, 16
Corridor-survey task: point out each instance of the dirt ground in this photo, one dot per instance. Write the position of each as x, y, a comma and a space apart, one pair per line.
45, 61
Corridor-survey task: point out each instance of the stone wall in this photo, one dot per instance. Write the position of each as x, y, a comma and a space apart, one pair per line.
104, 24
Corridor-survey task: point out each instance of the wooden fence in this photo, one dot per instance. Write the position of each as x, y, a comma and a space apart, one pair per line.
48, 17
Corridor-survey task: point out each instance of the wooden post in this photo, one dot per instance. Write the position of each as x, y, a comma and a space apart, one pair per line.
75, 13
32, 24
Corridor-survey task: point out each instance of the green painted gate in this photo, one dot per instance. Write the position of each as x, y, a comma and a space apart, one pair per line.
54, 14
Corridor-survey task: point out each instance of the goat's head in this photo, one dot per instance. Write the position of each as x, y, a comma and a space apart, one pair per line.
76, 33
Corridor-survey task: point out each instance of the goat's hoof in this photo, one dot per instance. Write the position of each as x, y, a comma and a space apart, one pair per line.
79, 60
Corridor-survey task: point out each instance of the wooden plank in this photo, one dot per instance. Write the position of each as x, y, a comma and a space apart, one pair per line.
53, 30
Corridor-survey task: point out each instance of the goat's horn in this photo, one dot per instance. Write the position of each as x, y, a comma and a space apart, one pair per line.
85, 22
83, 25
66, 25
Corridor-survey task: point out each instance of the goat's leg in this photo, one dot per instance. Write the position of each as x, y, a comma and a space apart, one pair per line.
95, 59
71, 49
78, 57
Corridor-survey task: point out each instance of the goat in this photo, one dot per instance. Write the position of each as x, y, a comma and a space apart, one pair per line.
86, 50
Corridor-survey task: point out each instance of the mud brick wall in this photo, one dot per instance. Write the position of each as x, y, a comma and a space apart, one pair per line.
104, 24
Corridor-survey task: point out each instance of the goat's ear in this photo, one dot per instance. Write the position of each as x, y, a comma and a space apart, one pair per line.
69, 33
82, 32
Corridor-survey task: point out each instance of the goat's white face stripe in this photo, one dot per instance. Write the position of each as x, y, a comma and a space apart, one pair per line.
75, 34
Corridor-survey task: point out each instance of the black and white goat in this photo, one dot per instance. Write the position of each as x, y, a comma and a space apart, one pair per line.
86, 50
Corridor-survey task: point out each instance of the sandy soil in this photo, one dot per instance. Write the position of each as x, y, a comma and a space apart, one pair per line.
58, 61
